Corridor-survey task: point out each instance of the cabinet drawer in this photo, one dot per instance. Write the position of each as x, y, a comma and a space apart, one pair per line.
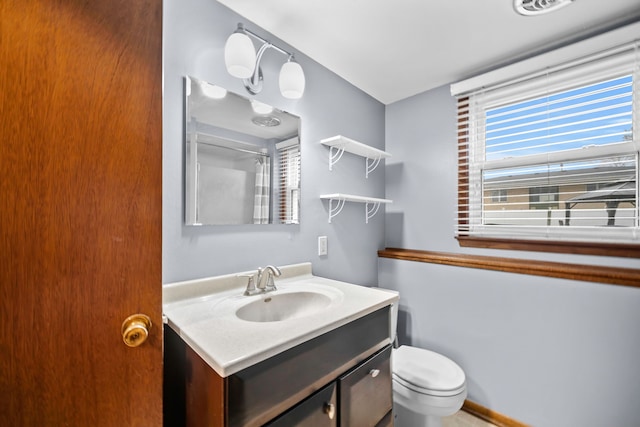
365, 392
319, 410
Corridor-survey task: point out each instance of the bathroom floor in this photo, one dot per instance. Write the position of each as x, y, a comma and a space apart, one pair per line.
464, 419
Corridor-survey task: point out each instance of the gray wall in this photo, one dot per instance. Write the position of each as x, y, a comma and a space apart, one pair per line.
195, 32
548, 352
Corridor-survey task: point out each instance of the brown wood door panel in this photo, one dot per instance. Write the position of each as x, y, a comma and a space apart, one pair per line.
80, 211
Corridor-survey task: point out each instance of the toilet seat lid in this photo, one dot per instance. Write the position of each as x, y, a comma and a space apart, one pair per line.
427, 370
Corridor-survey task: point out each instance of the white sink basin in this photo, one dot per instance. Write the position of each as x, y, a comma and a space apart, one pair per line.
231, 331
283, 306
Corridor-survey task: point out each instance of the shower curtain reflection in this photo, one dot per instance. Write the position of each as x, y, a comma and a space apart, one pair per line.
262, 191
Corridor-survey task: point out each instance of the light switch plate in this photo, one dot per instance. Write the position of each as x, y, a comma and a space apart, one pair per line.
323, 248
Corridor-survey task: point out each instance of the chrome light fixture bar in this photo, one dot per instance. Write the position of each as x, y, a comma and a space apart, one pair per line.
243, 62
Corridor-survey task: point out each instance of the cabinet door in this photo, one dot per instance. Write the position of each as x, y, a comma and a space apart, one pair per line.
319, 410
365, 392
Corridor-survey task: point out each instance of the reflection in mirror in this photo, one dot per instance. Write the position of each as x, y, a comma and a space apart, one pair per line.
242, 160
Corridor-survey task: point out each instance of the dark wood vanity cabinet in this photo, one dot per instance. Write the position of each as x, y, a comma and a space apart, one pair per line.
341, 378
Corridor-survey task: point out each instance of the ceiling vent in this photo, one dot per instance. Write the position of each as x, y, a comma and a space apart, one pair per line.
266, 121
538, 7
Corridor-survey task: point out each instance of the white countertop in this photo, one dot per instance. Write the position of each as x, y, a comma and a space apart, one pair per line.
202, 312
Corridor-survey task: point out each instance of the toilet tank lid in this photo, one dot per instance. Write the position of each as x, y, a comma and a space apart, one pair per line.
426, 369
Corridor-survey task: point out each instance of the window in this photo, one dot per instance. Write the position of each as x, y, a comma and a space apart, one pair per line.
553, 156
543, 197
289, 181
499, 196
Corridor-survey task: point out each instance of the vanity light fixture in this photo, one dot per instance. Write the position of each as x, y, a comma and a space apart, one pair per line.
243, 62
213, 91
260, 107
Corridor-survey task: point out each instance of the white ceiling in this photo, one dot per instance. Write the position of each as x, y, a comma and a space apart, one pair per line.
393, 49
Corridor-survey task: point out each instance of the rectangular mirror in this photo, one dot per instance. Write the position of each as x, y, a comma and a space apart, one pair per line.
242, 161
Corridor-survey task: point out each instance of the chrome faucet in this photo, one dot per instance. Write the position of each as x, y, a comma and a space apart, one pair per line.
269, 271
258, 285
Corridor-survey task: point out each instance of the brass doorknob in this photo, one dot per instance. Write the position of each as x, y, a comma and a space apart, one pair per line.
330, 410
135, 329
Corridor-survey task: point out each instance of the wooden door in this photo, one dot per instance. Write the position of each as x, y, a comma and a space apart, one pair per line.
80, 211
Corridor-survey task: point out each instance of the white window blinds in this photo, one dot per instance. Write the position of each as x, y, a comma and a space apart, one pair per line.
554, 155
289, 181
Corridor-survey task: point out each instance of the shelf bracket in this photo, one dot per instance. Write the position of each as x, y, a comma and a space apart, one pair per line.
335, 209
337, 201
371, 209
335, 154
372, 164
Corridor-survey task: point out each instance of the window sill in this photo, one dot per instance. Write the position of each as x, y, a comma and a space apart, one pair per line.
581, 248
586, 273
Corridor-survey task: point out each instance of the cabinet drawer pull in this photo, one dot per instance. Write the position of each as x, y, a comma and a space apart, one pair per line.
330, 410
374, 372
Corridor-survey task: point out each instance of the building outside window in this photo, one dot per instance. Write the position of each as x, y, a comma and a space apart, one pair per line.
499, 196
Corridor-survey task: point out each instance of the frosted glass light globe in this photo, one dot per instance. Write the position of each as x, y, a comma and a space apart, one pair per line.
292, 81
240, 55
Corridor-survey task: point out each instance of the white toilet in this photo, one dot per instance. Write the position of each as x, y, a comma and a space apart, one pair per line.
426, 385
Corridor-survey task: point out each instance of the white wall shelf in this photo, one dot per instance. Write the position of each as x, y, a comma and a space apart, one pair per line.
339, 144
337, 201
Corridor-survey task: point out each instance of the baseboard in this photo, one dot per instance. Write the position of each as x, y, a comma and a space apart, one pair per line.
490, 415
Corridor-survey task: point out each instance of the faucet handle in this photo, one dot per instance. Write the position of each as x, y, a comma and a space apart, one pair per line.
251, 286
